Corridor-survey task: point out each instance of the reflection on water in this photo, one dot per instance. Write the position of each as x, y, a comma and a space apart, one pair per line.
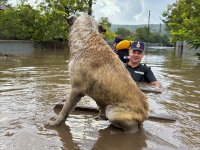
31, 86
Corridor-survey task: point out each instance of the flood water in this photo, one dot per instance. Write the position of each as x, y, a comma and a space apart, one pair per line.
31, 86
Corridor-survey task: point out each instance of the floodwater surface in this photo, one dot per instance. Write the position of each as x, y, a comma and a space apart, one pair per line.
31, 86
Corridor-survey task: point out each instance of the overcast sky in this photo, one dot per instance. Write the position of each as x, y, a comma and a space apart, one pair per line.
128, 11
131, 11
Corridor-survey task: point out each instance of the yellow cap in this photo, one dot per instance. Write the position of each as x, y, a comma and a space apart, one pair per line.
125, 44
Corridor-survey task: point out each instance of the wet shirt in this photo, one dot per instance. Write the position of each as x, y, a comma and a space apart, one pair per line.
141, 73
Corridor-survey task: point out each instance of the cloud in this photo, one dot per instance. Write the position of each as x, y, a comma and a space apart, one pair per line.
131, 11
117, 10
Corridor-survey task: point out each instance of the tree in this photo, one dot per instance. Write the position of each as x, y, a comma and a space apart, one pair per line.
44, 22
51, 22
26, 15
141, 33
104, 21
154, 37
54, 14
182, 21
164, 40
90, 3
70, 7
18, 23
125, 33
8, 24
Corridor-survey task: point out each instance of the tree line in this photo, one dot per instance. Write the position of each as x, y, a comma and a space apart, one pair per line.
46, 21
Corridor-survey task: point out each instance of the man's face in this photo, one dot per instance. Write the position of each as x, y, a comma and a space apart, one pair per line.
135, 56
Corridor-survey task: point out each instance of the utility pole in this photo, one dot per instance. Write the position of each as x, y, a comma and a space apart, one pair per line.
160, 40
148, 30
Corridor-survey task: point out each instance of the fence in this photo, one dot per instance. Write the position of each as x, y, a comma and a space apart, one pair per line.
27, 48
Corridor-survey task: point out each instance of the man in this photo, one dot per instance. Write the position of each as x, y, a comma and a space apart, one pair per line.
139, 72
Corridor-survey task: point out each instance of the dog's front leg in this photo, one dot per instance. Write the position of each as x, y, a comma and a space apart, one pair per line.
69, 105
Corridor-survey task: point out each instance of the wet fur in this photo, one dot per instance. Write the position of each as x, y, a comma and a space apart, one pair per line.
96, 71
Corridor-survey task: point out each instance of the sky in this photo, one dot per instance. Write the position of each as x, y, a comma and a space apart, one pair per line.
131, 12
128, 12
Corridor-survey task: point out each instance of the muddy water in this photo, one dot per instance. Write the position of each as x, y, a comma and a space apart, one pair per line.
31, 86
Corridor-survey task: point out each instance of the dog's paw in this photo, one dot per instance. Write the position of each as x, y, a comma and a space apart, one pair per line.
54, 121
51, 124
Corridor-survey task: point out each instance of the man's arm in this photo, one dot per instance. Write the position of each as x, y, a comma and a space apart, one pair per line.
152, 79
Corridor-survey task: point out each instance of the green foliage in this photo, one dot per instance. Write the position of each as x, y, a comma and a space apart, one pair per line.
8, 24
133, 28
182, 21
54, 17
26, 16
17, 23
50, 23
109, 35
44, 22
70, 6
26, 23
141, 33
47, 21
105, 21
125, 33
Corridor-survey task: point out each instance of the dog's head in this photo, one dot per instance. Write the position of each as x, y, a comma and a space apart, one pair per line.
72, 19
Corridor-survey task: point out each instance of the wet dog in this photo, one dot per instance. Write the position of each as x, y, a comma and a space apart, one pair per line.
96, 71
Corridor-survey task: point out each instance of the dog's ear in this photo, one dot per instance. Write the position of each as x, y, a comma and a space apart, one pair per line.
101, 29
71, 20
